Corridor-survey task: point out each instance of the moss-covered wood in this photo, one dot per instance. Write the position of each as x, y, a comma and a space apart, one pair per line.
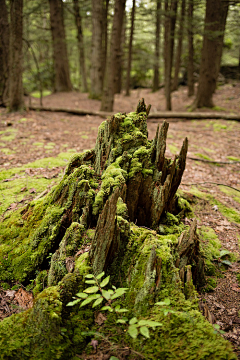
116, 210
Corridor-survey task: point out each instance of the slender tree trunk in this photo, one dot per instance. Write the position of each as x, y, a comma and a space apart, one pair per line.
96, 58
78, 22
169, 52
215, 21
179, 48
130, 50
115, 52
119, 61
4, 52
60, 57
16, 102
157, 47
104, 38
190, 77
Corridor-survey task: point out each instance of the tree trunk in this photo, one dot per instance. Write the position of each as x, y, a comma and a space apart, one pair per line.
179, 48
172, 13
96, 58
115, 55
16, 102
104, 38
112, 211
130, 50
78, 22
4, 53
119, 60
60, 57
190, 69
215, 21
157, 47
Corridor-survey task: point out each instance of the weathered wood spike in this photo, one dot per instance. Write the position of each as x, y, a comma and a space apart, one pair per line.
141, 107
161, 146
105, 234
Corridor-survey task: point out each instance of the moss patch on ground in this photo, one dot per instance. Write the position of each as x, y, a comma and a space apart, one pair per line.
10, 191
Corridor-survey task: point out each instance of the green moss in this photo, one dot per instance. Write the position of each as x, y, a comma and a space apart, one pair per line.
122, 208
233, 158
231, 192
40, 282
202, 156
219, 127
82, 264
174, 150
8, 135
36, 331
114, 177
211, 284
230, 213
184, 335
238, 278
7, 151
210, 246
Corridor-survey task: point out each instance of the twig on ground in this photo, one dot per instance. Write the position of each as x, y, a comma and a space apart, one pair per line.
211, 182
213, 161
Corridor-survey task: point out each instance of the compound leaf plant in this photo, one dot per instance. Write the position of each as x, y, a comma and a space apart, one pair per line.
98, 294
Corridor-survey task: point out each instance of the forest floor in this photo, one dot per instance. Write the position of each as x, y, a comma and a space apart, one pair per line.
35, 147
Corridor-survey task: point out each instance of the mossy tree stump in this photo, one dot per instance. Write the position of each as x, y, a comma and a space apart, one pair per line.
116, 210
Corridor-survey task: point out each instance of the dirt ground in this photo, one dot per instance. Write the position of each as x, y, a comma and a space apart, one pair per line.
213, 180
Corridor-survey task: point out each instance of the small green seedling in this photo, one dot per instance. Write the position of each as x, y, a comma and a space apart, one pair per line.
164, 303
97, 294
222, 260
217, 329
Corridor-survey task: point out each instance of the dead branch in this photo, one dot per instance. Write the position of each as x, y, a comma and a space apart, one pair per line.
213, 161
211, 182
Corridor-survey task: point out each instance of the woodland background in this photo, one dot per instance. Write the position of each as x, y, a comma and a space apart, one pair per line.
104, 47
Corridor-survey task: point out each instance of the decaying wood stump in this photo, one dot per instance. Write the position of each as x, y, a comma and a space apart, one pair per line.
116, 210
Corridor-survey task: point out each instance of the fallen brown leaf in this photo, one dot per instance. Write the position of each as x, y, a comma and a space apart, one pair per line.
24, 298
100, 318
32, 191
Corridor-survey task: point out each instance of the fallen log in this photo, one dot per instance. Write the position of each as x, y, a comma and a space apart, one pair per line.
154, 115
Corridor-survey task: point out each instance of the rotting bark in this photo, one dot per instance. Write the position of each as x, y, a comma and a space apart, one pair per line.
116, 210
